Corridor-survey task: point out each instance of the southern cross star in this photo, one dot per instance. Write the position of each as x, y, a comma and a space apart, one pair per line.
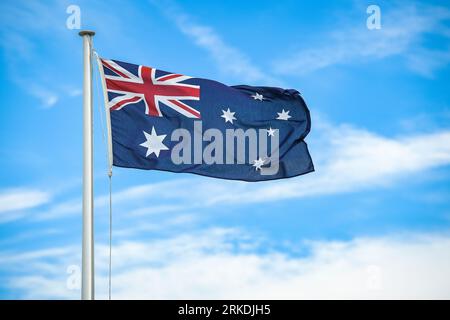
154, 143
258, 163
283, 115
258, 96
271, 132
228, 116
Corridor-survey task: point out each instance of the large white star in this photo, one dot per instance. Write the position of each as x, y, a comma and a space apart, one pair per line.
154, 143
271, 132
283, 115
228, 116
258, 96
258, 163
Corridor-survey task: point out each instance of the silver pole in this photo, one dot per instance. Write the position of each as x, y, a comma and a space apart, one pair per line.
87, 270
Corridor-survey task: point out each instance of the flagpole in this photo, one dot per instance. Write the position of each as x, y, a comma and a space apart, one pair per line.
87, 269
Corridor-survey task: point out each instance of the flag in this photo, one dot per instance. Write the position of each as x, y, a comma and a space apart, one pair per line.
172, 122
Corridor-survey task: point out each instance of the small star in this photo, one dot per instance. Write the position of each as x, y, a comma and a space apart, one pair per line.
257, 96
154, 143
271, 132
258, 163
228, 116
283, 115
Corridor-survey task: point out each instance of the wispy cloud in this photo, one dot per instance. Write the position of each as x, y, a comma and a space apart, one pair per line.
346, 159
218, 264
24, 25
229, 59
48, 98
15, 200
353, 159
403, 31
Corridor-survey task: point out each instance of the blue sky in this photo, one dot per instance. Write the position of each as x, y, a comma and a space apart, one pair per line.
372, 221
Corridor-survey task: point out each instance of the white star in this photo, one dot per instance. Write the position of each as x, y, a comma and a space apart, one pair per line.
154, 143
283, 115
271, 131
258, 163
228, 116
258, 96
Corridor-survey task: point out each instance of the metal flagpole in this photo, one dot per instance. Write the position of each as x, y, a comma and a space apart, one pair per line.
87, 269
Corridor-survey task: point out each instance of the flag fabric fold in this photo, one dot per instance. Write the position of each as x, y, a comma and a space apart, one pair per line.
172, 122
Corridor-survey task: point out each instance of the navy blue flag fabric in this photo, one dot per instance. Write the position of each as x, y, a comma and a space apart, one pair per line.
171, 122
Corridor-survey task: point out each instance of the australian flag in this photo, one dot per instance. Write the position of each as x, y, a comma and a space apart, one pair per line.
172, 122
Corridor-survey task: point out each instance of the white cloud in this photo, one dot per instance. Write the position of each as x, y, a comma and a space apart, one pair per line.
61, 209
29, 235
14, 200
217, 264
350, 159
346, 159
24, 26
179, 220
402, 33
228, 58
48, 98
75, 92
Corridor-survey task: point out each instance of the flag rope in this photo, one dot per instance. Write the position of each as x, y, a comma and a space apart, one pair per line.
100, 93
110, 235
